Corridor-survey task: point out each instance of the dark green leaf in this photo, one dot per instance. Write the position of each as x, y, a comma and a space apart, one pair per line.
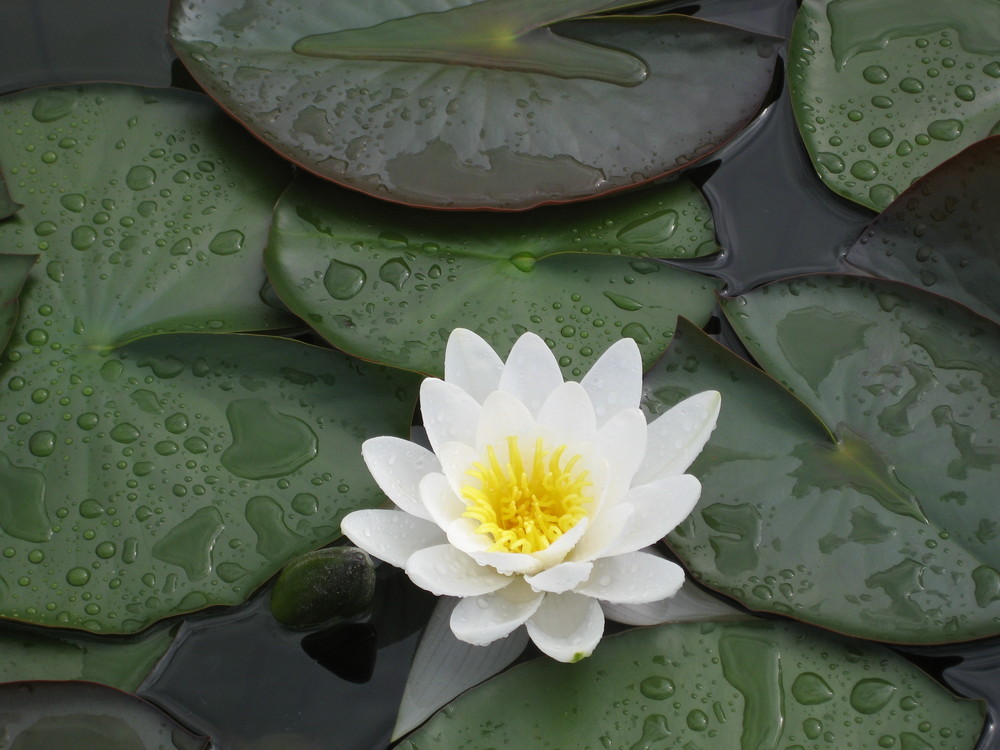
719, 685
942, 232
388, 283
14, 270
865, 504
449, 103
885, 91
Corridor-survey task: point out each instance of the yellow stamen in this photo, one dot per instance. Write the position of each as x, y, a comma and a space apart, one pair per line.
525, 508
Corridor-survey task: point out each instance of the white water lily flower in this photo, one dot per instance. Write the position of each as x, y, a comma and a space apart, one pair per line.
540, 495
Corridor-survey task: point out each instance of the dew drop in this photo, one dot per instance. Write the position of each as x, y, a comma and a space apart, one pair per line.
395, 272
911, 85
810, 689
650, 230
882, 195
83, 237
91, 508
875, 74
36, 337
266, 443
73, 202
623, 302
882, 102
42, 443
880, 137
106, 550
965, 93
140, 177
54, 270
124, 433
227, 243
342, 280
189, 545
53, 106
945, 130
697, 720
78, 577
871, 695
638, 333
181, 247
524, 262
87, 421
831, 162
176, 423
305, 504
657, 688
864, 170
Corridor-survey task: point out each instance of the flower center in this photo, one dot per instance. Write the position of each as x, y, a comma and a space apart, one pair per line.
529, 502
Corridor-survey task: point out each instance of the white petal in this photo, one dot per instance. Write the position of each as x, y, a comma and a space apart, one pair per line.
471, 364
482, 619
456, 460
621, 441
449, 413
633, 578
556, 552
689, 604
615, 380
657, 508
602, 531
390, 535
462, 535
567, 416
504, 416
677, 437
563, 577
441, 503
445, 571
398, 466
444, 667
567, 627
531, 372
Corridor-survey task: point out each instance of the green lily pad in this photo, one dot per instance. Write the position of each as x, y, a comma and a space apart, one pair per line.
85, 716
123, 663
153, 193
885, 91
724, 685
176, 471
495, 104
942, 232
863, 500
8, 206
389, 283
14, 271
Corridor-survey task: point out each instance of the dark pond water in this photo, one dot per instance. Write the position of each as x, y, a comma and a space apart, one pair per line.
235, 674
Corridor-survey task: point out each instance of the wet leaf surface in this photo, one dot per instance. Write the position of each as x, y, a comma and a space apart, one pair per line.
176, 471
942, 233
885, 91
862, 501
725, 685
446, 103
14, 271
85, 716
388, 283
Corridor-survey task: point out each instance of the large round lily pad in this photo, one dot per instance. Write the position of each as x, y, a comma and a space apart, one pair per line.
147, 475
493, 104
942, 233
389, 283
864, 501
719, 685
885, 91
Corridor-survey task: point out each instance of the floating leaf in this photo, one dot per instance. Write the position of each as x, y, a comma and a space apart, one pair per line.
14, 271
450, 103
85, 716
885, 91
33, 654
942, 232
726, 685
389, 283
8, 206
171, 472
863, 502
151, 193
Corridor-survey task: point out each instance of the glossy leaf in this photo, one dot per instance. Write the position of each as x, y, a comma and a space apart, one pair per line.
389, 283
724, 685
150, 191
172, 472
942, 233
85, 716
14, 271
179, 471
34, 654
863, 502
885, 91
496, 104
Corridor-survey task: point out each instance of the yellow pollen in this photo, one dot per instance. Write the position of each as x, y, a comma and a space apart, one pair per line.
526, 505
